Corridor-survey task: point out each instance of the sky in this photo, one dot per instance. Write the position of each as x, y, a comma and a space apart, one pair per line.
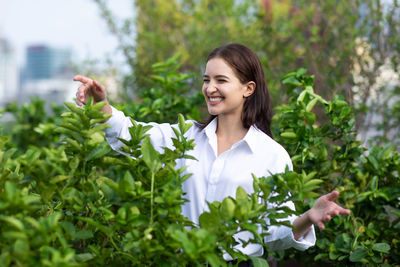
74, 24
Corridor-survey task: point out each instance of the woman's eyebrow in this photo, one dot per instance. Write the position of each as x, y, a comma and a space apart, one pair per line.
219, 76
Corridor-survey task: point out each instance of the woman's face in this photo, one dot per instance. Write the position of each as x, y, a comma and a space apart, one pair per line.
222, 89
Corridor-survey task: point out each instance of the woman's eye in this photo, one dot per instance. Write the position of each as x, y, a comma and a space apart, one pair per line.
206, 80
221, 81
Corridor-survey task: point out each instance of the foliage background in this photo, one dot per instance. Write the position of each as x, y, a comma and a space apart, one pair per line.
67, 199
351, 47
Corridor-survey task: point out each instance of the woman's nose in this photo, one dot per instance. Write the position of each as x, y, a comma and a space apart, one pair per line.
211, 88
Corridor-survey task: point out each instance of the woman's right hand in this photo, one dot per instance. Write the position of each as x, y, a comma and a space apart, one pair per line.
89, 88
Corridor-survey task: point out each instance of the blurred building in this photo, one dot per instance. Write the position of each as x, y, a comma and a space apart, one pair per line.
47, 74
8, 73
43, 62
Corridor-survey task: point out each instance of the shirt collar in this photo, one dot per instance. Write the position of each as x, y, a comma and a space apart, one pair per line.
211, 128
250, 138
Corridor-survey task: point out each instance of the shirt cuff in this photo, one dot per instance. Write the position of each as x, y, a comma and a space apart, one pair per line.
305, 241
114, 120
282, 238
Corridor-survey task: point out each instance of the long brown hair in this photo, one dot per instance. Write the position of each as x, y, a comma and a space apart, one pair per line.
247, 66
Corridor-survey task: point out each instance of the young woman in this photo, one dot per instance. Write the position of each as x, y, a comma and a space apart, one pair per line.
235, 142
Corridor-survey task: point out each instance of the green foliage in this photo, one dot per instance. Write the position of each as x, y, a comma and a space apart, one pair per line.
366, 178
78, 203
33, 124
75, 202
352, 47
167, 96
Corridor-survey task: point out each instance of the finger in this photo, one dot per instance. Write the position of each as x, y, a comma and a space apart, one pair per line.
81, 95
334, 213
81, 92
344, 211
332, 195
321, 225
327, 218
99, 86
79, 103
78, 100
82, 79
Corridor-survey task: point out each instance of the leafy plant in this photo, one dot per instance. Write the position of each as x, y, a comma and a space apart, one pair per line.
167, 96
366, 178
33, 123
75, 202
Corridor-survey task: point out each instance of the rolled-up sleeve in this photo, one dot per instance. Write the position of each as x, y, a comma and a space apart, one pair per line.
119, 128
281, 237
160, 134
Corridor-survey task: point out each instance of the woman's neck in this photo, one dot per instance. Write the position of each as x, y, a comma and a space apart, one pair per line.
229, 131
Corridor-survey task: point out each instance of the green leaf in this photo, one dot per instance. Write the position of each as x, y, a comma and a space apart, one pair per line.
71, 106
98, 152
289, 74
358, 255
59, 178
104, 229
301, 72
381, 247
313, 182
84, 257
259, 262
292, 81
16, 223
228, 208
289, 135
241, 194
183, 126
150, 156
213, 260
374, 183
158, 78
99, 105
311, 104
83, 234
21, 248
209, 221
373, 161
112, 184
301, 96
11, 190
321, 256
68, 227
188, 245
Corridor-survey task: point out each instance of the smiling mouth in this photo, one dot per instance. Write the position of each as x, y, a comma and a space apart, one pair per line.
215, 99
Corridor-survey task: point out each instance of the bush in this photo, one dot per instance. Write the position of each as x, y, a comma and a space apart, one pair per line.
75, 202
366, 178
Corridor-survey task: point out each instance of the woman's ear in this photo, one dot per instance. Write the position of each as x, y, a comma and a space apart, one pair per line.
250, 88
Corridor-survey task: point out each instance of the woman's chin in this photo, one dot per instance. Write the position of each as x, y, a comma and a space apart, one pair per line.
213, 112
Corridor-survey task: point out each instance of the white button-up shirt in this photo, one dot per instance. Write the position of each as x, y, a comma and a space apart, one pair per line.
217, 177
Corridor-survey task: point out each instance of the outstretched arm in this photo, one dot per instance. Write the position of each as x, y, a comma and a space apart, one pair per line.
323, 211
92, 88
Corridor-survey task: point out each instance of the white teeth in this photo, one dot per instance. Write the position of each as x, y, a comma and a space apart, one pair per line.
214, 99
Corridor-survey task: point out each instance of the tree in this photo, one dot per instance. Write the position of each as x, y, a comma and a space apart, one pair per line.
326, 37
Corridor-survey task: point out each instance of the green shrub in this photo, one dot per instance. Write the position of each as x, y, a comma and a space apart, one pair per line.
32, 124
75, 202
367, 178
81, 203
167, 96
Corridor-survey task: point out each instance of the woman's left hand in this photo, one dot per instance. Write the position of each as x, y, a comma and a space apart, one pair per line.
325, 209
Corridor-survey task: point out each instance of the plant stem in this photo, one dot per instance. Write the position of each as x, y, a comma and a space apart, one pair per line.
151, 199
